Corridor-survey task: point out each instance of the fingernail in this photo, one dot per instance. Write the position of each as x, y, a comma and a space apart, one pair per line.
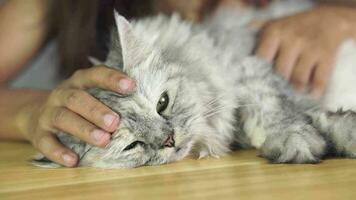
70, 160
97, 135
111, 121
125, 85
101, 137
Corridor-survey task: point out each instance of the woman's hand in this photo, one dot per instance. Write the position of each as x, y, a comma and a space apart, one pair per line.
71, 109
304, 46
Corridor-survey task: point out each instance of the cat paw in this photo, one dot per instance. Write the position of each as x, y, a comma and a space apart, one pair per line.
343, 132
300, 144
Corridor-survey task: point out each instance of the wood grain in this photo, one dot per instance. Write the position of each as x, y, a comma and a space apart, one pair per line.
240, 175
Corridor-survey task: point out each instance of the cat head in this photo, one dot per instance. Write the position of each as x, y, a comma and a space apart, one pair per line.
159, 119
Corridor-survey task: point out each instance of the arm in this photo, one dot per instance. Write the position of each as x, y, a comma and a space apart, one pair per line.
22, 33
15, 111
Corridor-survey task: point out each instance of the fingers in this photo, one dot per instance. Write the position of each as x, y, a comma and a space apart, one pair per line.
321, 77
71, 109
48, 144
286, 60
293, 60
67, 121
89, 108
268, 45
102, 77
301, 75
312, 68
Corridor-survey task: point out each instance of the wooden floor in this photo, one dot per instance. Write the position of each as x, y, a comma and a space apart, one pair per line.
240, 175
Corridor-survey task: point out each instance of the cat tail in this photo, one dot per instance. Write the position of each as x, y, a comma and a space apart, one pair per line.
338, 128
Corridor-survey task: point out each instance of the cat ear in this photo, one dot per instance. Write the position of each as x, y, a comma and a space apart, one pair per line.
133, 50
94, 61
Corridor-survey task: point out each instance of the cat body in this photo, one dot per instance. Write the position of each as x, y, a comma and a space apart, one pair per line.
200, 91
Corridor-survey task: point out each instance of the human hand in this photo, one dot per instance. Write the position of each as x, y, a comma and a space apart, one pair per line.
71, 109
303, 46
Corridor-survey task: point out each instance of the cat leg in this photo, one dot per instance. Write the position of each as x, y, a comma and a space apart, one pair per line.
339, 129
283, 137
273, 122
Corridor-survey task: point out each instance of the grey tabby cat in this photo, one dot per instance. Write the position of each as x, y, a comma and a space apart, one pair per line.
200, 92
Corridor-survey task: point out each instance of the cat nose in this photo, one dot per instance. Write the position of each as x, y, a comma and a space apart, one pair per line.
169, 142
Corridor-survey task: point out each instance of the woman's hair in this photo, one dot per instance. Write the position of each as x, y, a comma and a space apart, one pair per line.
82, 27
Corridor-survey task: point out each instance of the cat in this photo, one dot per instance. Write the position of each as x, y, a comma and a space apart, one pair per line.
199, 90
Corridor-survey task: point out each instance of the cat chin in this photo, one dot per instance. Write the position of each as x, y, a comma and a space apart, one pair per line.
108, 162
181, 151
112, 165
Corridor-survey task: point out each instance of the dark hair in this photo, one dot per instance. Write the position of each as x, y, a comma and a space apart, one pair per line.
82, 27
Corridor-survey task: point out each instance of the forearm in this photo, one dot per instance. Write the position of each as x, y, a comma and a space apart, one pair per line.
16, 108
23, 30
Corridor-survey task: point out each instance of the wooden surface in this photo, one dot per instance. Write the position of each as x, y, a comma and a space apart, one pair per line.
240, 175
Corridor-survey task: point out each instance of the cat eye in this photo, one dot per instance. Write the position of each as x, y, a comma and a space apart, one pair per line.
133, 145
162, 103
